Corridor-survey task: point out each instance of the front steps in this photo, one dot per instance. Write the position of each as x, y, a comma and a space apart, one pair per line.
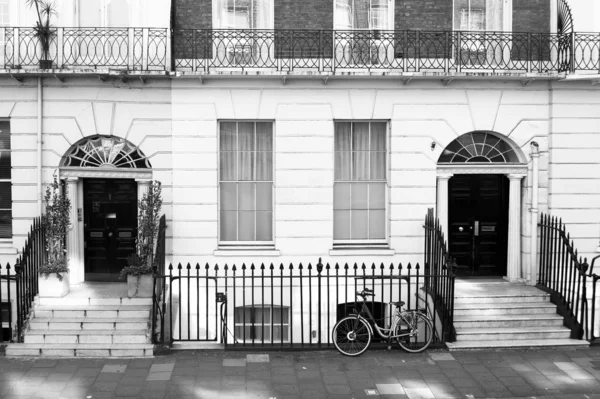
84, 326
495, 314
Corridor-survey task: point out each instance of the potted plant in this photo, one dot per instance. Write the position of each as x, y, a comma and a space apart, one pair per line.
43, 30
55, 223
140, 264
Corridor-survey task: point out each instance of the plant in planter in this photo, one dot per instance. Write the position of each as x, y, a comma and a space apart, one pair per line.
55, 223
43, 30
140, 264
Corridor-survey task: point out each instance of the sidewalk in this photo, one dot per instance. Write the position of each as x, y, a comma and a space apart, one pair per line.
312, 375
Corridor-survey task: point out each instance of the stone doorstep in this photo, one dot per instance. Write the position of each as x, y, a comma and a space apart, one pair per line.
87, 336
88, 323
80, 301
480, 299
80, 350
522, 343
541, 332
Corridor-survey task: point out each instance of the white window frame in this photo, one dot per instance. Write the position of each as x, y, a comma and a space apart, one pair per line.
216, 16
506, 18
376, 243
245, 244
390, 21
4, 24
261, 307
10, 183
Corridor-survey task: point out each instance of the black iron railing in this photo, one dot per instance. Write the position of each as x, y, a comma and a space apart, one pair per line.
284, 50
438, 262
19, 286
158, 304
134, 49
277, 306
564, 274
405, 51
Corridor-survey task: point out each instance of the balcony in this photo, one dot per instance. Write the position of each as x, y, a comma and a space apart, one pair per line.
311, 52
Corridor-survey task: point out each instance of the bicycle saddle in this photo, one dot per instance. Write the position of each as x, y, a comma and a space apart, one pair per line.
398, 304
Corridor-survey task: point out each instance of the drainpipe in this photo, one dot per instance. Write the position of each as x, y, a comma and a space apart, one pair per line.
39, 145
535, 157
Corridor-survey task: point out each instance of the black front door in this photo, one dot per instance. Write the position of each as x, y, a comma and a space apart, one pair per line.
110, 212
478, 223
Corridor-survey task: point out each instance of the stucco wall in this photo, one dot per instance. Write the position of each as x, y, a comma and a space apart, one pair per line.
175, 124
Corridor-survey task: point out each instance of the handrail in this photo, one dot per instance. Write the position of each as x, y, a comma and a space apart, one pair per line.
286, 50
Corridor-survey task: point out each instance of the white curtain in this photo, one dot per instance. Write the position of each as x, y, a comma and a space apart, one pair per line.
360, 180
243, 14
246, 181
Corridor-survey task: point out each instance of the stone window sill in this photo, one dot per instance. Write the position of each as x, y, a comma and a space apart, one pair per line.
361, 251
247, 251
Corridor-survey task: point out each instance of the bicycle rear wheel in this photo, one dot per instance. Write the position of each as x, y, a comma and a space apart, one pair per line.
351, 336
421, 334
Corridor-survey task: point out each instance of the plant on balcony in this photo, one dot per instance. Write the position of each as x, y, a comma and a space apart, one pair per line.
55, 222
43, 29
140, 264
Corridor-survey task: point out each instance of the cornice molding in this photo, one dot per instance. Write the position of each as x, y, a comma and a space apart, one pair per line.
106, 173
443, 170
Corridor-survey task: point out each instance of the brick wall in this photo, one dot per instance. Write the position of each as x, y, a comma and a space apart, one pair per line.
423, 14
193, 14
307, 14
531, 16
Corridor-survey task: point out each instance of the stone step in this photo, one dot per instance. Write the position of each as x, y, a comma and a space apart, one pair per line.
83, 311
517, 343
493, 321
87, 337
479, 299
504, 308
85, 301
80, 350
87, 323
506, 333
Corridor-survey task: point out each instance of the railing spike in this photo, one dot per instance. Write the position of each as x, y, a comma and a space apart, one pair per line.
281, 266
216, 267
170, 266
225, 267
262, 266
252, 266
346, 266
327, 266
179, 266
291, 266
300, 267
233, 268
355, 266
382, 266
400, 266
417, 266
206, 266
189, 266
409, 267
309, 266
337, 266
243, 266
271, 267
391, 266
363, 267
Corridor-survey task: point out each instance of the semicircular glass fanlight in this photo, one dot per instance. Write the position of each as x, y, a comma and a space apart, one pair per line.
106, 152
479, 147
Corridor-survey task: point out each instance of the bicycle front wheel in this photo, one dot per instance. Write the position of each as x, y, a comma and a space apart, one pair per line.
351, 336
421, 334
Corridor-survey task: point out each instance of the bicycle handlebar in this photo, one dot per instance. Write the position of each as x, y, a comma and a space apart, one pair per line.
365, 292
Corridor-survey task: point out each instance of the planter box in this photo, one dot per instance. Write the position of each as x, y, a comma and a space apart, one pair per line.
142, 284
51, 287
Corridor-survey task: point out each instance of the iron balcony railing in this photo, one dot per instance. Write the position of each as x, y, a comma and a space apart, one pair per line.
210, 50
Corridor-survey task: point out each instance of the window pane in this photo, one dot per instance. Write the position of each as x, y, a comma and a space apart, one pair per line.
280, 312
341, 225
376, 195
264, 166
228, 196
360, 195
4, 135
246, 136
360, 136
5, 195
343, 168
228, 136
277, 330
378, 136
228, 224
342, 136
360, 165
377, 224
246, 197
264, 136
359, 225
246, 226
341, 196
5, 224
378, 165
264, 196
4, 164
227, 166
264, 226
245, 166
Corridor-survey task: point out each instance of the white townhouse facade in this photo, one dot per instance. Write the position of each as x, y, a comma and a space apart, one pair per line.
284, 132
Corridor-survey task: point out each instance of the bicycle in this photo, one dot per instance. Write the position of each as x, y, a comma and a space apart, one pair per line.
411, 329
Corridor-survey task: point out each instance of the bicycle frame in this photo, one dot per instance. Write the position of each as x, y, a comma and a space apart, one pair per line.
385, 333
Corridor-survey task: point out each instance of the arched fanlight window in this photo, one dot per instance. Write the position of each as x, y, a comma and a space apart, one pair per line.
105, 152
481, 147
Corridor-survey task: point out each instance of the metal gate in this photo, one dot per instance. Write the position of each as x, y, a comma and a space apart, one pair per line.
193, 306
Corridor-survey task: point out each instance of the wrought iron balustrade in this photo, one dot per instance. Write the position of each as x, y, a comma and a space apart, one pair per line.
284, 50
134, 49
447, 52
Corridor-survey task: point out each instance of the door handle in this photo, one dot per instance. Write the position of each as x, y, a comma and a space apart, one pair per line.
476, 228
